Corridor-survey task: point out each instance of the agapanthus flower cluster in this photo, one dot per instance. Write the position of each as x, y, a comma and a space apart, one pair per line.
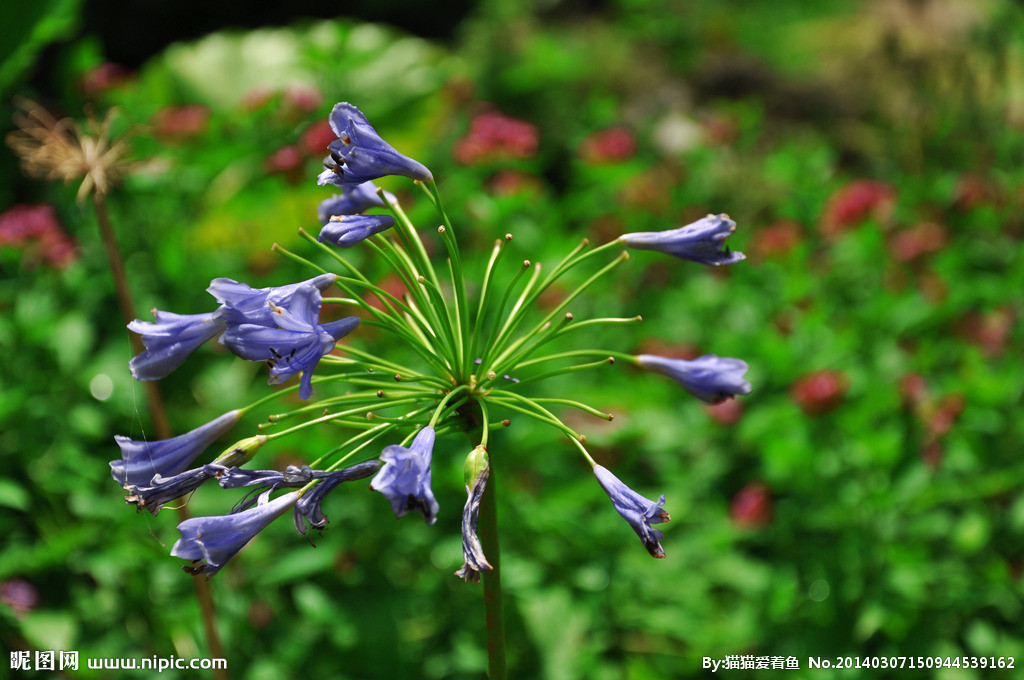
476, 366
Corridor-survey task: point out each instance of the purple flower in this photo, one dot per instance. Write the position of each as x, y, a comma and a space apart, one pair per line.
308, 507
217, 539
710, 378
293, 476
405, 480
359, 154
173, 337
296, 343
170, 341
162, 490
472, 552
347, 230
702, 241
142, 460
352, 200
635, 509
240, 303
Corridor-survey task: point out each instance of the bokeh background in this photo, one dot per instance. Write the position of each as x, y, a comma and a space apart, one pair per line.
865, 498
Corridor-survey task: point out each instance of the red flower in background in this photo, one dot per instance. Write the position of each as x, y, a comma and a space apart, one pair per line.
607, 146
751, 507
36, 230
304, 98
103, 77
913, 388
20, 595
316, 137
511, 182
286, 161
819, 392
726, 413
181, 122
856, 202
775, 240
990, 330
945, 413
495, 136
913, 243
973, 191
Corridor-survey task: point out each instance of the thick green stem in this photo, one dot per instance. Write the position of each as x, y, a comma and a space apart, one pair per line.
487, 530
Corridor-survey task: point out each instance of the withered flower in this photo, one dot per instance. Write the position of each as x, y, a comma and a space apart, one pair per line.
62, 149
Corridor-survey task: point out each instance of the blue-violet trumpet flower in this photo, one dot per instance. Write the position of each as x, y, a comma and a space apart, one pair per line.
640, 512
142, 460
352, 201
346, 231
405, 480
219, 538
702, 241
241, 303
297, 342
710, 378
359, 154
170, 340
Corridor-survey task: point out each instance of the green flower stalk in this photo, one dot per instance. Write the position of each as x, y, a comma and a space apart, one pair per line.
475, 363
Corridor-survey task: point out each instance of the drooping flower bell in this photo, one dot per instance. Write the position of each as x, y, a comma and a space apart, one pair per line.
710, 378
359, 154
161, 490
352, 201
219, 538
640, 512
308, 507
405, 480
142, 460
296, 343
346, 231
703, 241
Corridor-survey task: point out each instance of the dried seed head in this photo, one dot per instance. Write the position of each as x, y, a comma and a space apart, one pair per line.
53, 149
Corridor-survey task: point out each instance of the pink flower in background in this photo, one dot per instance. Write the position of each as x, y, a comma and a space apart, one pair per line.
776, 239
751, 507
973, 191
511, 182
286, 161
990, 330
607, 146
820, 391
35, 229
856, 202
915, 242
945, 414
20, 595
181, 122
726, 412
495, 136
316, 137
305, 98
103, 77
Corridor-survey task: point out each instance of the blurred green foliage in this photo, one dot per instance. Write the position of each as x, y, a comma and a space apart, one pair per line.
870, 155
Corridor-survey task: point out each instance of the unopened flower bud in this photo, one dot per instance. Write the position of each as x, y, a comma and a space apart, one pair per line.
476, 462
242, 452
